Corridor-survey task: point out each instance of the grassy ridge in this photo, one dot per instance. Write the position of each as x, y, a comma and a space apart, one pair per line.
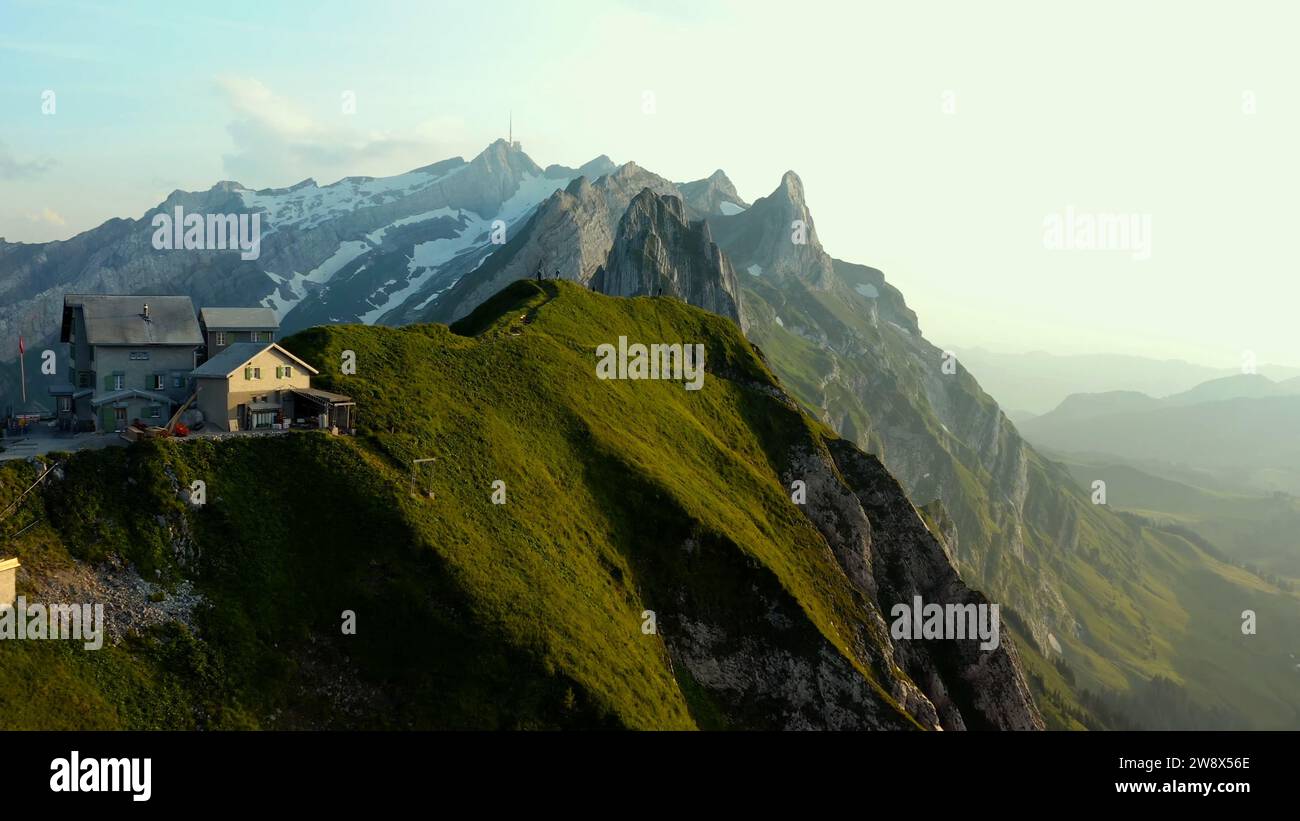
621, 497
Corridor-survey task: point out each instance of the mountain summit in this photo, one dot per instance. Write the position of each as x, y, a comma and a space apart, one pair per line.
777, 237
713, 195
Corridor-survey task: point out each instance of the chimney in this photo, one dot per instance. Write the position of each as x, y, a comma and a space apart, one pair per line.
145, 314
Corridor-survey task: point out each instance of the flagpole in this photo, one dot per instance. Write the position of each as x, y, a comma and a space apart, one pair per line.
22, 370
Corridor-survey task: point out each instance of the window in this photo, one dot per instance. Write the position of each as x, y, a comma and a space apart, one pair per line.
255, 336
139, 356
257, 373
84, 378
178, 381
155, 382
155, 411
119, 381
221, 338
65, 404
288, 371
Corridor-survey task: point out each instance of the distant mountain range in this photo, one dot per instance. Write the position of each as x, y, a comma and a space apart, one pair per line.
1099, 603
1034, 383
1244, 427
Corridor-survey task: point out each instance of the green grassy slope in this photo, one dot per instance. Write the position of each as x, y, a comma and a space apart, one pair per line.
621, 497
1258, 530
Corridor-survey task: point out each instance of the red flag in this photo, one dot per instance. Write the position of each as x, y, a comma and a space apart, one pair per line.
22, 348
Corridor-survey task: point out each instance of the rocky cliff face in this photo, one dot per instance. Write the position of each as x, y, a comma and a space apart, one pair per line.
777, 232
971, 688
568, 237
658, 251
886, 551
887, 556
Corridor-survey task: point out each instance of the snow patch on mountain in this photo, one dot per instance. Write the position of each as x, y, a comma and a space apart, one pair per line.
730, 209
427, 258
293, 284
306, 205
376, 237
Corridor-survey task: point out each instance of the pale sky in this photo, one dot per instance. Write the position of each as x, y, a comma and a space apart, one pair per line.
933, 139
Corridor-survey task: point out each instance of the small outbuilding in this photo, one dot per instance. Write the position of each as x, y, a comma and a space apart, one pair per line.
252, 386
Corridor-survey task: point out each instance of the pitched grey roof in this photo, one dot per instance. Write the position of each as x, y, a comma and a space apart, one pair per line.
239, 319
119, 320
230, 360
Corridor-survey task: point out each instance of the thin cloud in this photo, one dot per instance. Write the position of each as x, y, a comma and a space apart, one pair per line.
48, 216
278, 142
13, 169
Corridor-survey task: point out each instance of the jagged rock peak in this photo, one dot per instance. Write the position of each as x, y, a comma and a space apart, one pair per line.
790, 198
648, 203
577, 187
597, 167
501, 155
659, 251
720, 181
792, 186
707, 196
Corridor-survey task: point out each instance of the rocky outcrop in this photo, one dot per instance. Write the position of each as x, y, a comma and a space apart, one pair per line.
658, 251
568, 237
890, 556
778, 235
750, 645
972, 688
712, 195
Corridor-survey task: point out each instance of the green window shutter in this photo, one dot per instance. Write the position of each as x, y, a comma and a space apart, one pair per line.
248, 372
108, 382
